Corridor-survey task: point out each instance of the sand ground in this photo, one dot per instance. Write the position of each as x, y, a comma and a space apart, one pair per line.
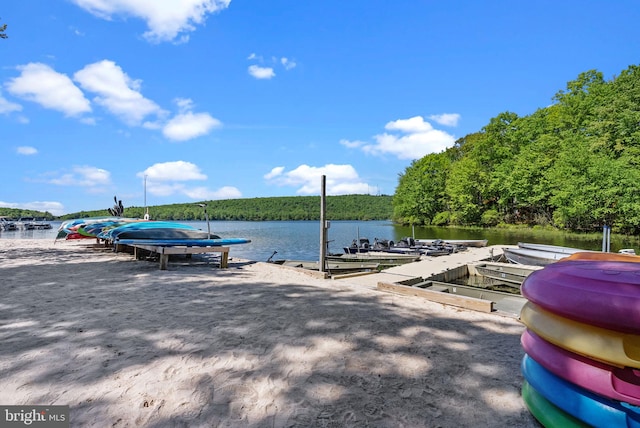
125, 344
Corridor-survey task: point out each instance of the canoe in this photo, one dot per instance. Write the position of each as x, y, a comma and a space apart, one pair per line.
578, 402
622, 384
216, 242
550, 248
547, 413
598, 292
515, 274
527, 256
607, 346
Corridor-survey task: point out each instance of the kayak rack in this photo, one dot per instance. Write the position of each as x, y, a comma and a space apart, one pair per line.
165, 251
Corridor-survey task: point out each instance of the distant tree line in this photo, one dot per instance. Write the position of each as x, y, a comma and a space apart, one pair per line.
17, 213
344, 207
573, 165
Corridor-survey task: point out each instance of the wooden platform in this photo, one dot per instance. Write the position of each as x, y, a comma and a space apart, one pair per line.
439, 294
477, 299
165, 251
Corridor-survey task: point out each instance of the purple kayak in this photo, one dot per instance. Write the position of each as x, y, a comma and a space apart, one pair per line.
621, 384
601, 293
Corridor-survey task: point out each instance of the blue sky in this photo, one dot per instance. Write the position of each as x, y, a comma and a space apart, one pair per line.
219, 99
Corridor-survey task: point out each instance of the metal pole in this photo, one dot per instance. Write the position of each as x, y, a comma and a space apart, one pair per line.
206, 215
146, 209
323, 225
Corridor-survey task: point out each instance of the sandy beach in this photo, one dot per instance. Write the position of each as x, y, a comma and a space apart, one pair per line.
126, 344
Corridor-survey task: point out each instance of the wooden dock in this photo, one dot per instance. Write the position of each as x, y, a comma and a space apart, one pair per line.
422, 279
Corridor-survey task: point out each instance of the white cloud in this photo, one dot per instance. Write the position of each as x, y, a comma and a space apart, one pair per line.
118, 93
170, 178
184, 104
446, 119
7, 106
190, 125
287, 63
115, 91
203, 193
412, 125
173, 171
43, 85
419, 139
166, 20
85, 176
261, 72
353, 144
26, 150
55, 208
274, 173
340, 179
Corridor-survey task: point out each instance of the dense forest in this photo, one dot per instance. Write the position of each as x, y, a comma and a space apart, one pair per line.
345, 207
572, 165
17, 213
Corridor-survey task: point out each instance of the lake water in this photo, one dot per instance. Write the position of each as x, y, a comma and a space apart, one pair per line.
300, 240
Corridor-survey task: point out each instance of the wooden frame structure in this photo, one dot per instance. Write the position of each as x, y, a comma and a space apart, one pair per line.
165, 251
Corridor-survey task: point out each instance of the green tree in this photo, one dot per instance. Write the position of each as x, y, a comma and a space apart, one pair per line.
420, 194
3, 29
573, 164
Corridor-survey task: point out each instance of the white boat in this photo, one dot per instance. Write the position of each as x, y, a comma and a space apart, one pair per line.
539, 254
33, 223
383, 258
7, 224
527, 256
459, 242
551, 248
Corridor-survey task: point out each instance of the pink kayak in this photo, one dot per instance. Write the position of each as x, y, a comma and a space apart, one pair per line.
621, 384
601, 293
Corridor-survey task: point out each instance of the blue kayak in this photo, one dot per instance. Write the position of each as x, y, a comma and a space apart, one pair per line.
219, 242
154, 230
578, 402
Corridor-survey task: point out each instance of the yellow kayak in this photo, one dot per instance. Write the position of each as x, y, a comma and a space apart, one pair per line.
608, 346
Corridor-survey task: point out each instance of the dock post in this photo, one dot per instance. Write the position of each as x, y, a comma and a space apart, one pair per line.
323, 225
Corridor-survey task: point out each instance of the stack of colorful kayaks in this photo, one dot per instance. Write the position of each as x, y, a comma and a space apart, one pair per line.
131, 231
582, 342
90, 227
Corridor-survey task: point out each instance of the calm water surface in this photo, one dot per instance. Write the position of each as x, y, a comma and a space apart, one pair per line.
300, 240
